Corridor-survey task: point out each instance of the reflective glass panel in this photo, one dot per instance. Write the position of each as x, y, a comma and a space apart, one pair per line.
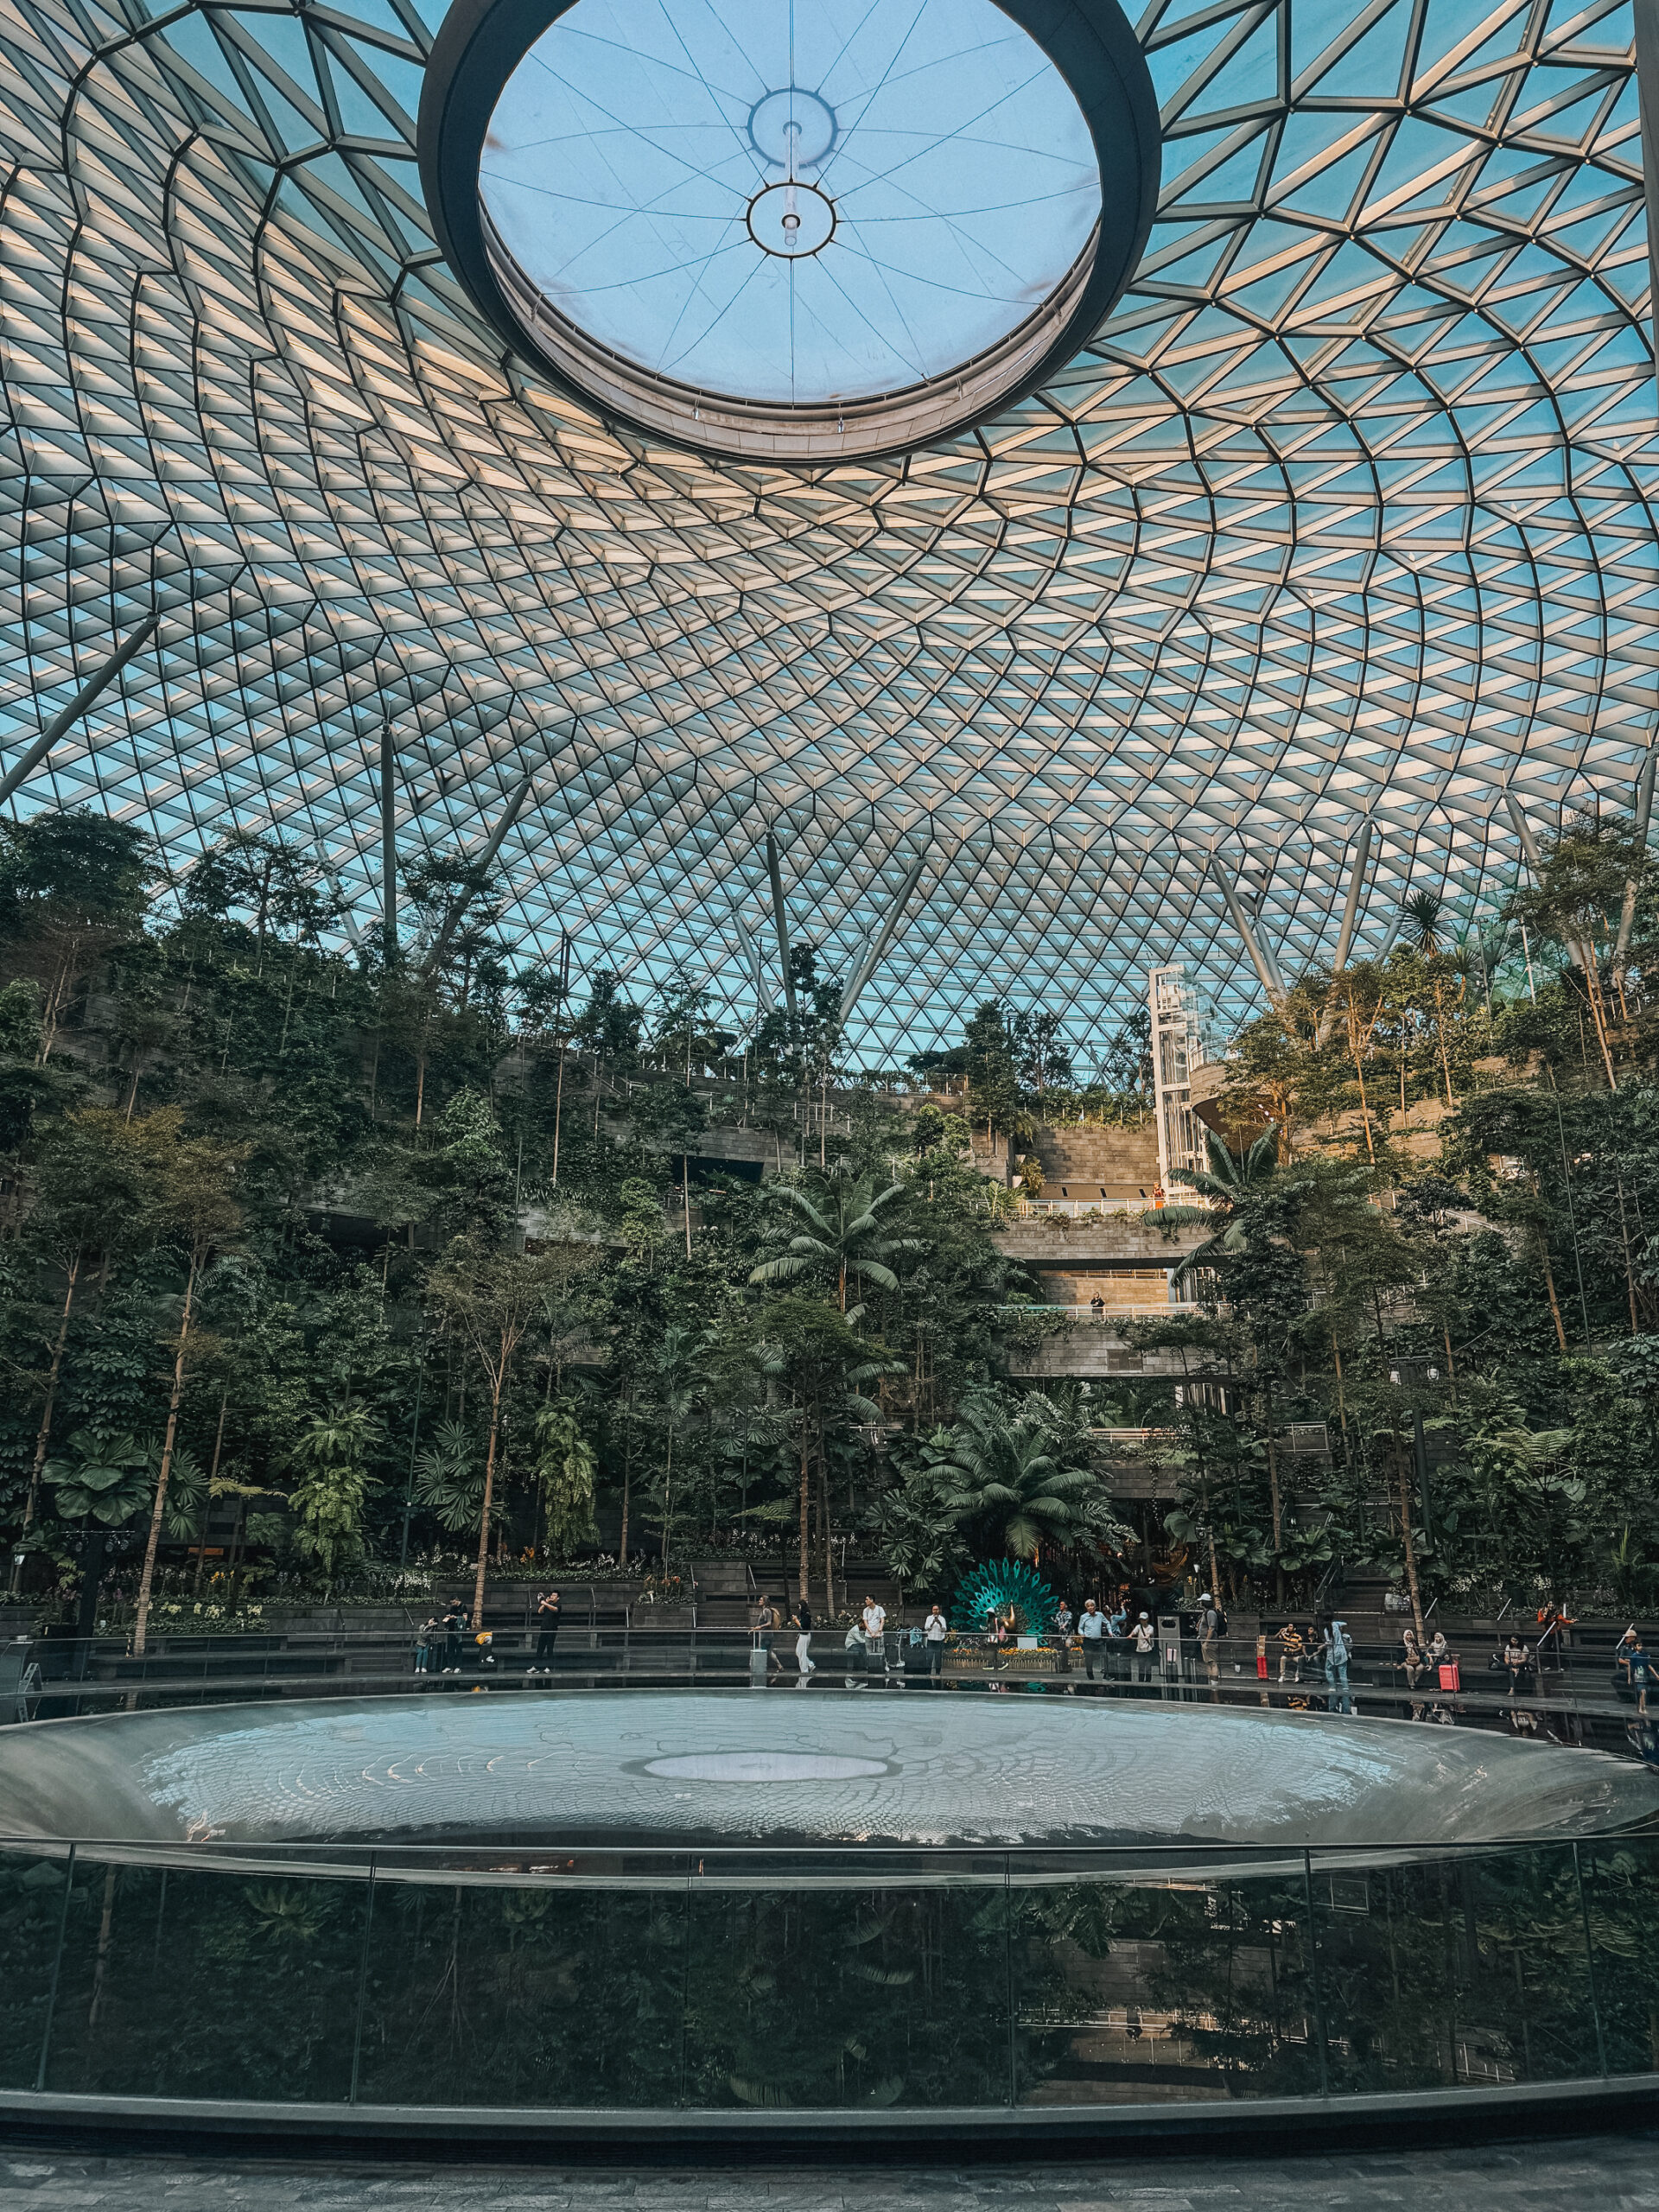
524, 1995
1621, 1888
823, 201
1132, 1989
31, 1913
1461, 1973
854, 1997
177, 1983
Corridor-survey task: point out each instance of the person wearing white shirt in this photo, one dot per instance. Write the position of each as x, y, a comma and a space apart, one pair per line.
1092, 1627
875, 1641
1146, 1644
935, 1629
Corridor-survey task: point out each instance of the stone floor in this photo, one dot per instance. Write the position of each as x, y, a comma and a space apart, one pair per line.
1600, 2173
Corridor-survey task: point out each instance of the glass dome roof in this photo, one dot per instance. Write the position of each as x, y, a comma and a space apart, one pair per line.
1346, 513
823, 201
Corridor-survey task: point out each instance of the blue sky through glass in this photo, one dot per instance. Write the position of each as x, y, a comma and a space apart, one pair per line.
804, 203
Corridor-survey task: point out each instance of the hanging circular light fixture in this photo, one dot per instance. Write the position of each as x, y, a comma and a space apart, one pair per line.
801, 233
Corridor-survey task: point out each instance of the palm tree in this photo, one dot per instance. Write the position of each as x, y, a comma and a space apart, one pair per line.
1230, 1182
1005, 1480
840, 1230
1422, 915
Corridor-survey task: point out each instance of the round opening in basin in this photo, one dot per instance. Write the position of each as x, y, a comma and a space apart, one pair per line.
763, 1766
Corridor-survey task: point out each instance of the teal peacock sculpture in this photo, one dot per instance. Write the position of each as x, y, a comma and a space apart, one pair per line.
997, 1585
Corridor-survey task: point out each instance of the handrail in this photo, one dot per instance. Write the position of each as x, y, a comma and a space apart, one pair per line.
305, 1850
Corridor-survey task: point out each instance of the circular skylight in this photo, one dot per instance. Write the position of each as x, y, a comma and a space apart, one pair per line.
806, 230
813, 202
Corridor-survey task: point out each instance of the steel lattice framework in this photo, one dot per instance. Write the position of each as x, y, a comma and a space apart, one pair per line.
1346, 514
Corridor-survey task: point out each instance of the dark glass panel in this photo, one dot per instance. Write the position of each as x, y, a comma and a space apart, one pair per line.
524, 1994
31, 1913
849, 1997
1466, 1972
180, 1983
1140, 1987
1621, 1890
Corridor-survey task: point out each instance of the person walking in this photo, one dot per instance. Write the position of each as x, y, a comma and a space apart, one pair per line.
804, 1661
547, 1633
1210, 1628
1146, 1645
1091, 1628
1292, 1649
1335, 1650
1063, 1629
769, 1625
935, 1629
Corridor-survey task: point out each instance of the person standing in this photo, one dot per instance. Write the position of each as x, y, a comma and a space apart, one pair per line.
1641, 1666
1146, 1644
874, 1618
1063, 1629
1210, 1626
454, 1623
426, 1635
803, 1662
935, 1629
1091, 1628
547, 1632
1335, 1650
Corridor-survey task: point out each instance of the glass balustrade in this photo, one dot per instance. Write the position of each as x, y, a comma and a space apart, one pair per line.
824, 1980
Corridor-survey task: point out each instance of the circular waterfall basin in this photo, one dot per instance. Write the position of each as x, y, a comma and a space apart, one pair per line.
736, 1768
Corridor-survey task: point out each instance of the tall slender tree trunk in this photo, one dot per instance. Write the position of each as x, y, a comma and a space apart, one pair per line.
1549, 1285
806, 1564
1586, 952
558, 1109
1405, 1530
213, 1477
147, 1579
668, 1500
1625, 1240
1278, 1513
489, 1495
44, 1434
